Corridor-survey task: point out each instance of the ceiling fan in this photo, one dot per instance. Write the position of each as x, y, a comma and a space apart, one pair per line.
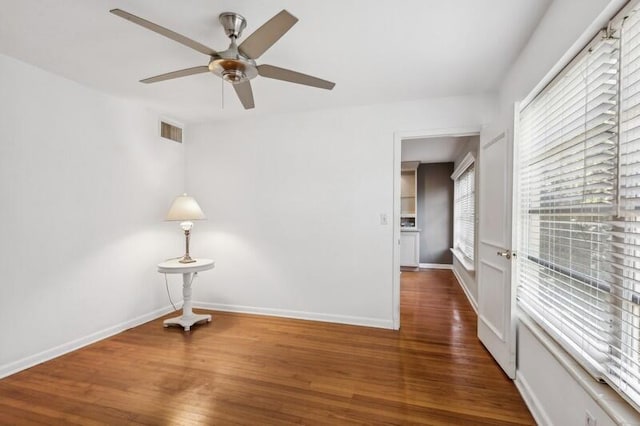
237, 64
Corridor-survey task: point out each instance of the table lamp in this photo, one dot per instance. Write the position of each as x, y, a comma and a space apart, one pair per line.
185, 209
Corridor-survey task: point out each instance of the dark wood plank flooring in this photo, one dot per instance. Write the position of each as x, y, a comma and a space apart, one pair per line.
245, 369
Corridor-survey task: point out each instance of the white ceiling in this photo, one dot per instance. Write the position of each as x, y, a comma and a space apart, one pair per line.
435, 150
376, 51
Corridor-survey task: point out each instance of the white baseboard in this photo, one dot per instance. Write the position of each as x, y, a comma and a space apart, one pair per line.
435, 266
531, 401
462, 284
285, 313
46, 355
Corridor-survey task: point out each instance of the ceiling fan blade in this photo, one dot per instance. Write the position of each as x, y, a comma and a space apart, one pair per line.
244, 92
164, 31
270, 71
176, 74
265, 36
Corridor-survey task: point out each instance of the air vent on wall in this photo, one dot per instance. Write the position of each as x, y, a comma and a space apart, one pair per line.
171, 131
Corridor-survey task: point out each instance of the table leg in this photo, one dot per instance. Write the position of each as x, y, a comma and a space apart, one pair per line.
188, 318
187, 306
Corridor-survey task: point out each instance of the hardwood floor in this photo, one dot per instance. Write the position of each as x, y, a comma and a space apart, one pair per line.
244, 369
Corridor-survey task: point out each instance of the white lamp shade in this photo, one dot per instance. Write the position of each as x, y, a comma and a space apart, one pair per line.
185, 208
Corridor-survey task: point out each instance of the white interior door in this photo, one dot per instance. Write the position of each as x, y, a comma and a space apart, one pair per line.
496, 328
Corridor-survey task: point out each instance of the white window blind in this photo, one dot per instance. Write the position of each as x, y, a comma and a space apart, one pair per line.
464, 213
579, 207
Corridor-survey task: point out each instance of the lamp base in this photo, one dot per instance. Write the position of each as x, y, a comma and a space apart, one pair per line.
186, 259
187, 234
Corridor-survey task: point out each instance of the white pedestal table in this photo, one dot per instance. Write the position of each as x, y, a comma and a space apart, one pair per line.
188, 271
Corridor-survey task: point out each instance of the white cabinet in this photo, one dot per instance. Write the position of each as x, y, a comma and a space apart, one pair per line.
408, 193
410, 235
410, 248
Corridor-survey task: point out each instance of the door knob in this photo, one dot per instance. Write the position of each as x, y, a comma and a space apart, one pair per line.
506, 253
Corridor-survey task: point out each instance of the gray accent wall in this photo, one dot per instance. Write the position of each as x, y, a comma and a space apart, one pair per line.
435, 212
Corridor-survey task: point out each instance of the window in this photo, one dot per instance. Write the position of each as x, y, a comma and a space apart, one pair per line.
464, 210
579, 206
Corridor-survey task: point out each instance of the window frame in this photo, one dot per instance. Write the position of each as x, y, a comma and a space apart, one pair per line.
600, 370
467, 162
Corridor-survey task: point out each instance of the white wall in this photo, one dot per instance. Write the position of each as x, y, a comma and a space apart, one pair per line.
294, 204
84, 184
566, 27
561, 392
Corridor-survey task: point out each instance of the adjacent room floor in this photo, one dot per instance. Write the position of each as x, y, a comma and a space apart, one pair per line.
245, 369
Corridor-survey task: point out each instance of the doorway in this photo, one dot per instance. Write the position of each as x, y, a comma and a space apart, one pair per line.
428, 146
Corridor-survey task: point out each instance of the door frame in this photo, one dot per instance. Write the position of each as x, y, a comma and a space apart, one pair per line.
398, 137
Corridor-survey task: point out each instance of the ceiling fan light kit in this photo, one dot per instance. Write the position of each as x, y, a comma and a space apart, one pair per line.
237, 64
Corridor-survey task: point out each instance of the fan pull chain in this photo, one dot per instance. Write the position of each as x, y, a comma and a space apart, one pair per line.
222, 97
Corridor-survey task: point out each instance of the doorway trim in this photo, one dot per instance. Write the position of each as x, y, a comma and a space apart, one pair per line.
398, 137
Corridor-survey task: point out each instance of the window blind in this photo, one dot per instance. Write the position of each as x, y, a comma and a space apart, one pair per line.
624, 361
464, 212
579, 207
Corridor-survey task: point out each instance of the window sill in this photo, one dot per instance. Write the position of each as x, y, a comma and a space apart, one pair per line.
611, 403
469, 266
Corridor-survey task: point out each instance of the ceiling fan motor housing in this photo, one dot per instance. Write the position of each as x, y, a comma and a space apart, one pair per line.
231, 65
235, 69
